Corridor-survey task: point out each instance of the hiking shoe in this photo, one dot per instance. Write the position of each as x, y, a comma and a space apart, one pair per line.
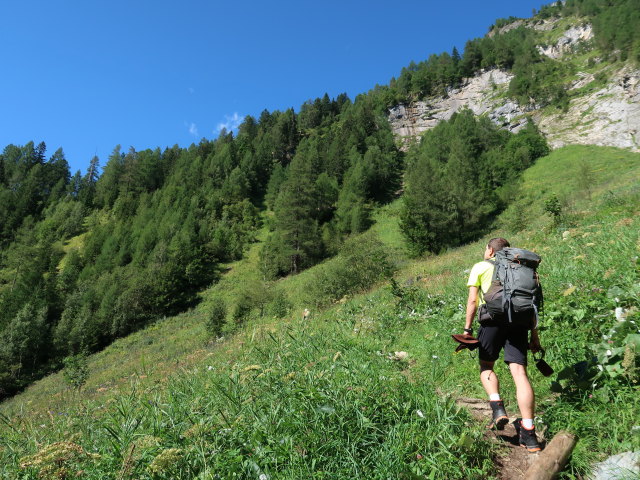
499, 418
527, 437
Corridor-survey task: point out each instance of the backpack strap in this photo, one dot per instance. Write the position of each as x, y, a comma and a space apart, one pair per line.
492, 262
506, 293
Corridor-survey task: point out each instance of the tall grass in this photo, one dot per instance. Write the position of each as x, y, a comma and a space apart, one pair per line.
325, 396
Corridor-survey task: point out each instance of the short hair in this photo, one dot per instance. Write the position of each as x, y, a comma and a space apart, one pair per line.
498, 243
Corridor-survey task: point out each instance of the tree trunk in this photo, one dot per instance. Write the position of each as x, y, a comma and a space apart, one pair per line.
553, 458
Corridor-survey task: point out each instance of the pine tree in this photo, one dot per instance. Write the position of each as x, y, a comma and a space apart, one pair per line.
295, 223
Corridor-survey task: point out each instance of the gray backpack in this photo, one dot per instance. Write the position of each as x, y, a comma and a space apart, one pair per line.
515, 295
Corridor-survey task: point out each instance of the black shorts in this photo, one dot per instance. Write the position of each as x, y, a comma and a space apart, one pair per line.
513, 338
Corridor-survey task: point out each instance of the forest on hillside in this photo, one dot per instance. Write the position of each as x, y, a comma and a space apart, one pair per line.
86, 259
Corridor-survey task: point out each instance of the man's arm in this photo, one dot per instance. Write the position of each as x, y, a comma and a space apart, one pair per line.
471, 307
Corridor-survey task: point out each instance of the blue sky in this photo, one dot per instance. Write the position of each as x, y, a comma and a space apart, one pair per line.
89, 75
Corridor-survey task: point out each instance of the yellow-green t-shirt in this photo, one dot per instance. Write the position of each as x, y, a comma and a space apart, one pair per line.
480, 276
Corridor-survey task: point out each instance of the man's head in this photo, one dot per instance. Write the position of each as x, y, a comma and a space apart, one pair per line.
495, 245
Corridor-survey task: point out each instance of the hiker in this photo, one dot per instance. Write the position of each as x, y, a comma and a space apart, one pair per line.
493, 336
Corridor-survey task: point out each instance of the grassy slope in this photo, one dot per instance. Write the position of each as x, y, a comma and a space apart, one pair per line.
294, 400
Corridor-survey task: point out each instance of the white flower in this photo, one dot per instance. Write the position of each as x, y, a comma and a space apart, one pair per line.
434, 356
620, 314
263, 476
609, 353
210, 368
419, 413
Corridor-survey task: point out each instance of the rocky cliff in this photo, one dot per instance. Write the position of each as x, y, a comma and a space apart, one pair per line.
483, 94
609, 115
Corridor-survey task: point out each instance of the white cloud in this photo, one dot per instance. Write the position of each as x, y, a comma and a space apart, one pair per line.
231, 122
193, 128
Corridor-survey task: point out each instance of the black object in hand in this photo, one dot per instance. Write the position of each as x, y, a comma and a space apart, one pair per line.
543, 367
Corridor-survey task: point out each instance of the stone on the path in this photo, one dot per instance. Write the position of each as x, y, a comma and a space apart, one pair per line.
618, 467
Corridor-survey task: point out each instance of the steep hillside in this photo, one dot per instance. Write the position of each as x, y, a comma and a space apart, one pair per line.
327, 397
277, 303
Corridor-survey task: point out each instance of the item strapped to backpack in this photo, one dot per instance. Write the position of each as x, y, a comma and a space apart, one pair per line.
515, 294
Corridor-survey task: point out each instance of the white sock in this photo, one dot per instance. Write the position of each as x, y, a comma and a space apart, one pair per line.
527, 423
494, 396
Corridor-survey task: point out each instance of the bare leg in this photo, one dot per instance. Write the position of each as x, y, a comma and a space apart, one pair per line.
488, 377
524, 392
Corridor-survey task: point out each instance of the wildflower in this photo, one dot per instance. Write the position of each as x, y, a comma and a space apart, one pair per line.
628, 361
434, 356
210, 368
419, 413
165, 460
419, 457
609, 353
619, 313
252, 367
54, 460
146, 442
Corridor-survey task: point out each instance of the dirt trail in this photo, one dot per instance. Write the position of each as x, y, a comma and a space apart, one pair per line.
513, 460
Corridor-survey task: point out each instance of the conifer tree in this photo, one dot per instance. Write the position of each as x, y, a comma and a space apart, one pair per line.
296, 228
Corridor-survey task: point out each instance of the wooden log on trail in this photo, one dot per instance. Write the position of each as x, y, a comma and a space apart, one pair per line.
553, 458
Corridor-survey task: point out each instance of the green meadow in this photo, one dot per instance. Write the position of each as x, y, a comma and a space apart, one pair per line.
263, 393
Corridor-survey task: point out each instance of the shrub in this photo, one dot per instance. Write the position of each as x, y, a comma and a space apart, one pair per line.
362, 262
279, 306
217, 316
552, 207
242, 308
76, 370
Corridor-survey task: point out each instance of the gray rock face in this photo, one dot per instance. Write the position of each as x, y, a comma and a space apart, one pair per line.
618, 467
607, 117
481, 94
566, 43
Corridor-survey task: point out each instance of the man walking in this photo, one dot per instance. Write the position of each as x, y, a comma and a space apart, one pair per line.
495, 336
